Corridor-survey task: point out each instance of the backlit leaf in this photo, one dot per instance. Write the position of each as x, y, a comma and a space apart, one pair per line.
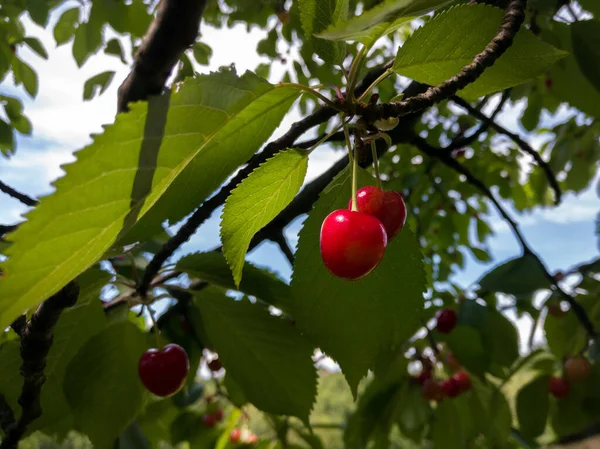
97, 84
516, 277
585, 36
257, 200
441, 48
65, 27
155, 150
316, 16
533, 405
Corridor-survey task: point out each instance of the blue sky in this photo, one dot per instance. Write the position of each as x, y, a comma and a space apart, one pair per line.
62, 123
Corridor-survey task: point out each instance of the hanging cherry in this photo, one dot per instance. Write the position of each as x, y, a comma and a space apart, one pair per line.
163, 371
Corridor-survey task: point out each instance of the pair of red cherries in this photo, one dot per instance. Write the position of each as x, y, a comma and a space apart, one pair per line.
353, 242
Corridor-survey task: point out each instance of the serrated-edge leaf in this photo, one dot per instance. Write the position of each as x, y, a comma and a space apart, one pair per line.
380, 20
267, 358
65, 26
257, 200
355, 321
442, 41
96, 202
212, 267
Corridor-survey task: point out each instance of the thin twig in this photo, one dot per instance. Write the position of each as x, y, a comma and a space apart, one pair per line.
36, 341
462, 141
283, 244
525, 147
513, 19
25, 199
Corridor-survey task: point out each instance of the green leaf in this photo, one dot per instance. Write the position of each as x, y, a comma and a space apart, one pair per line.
585, 36
88, 36
75, 327
380, 20
533, 405
440, 49
66, 25
212, 267
564, 334
466, 345
354, 321
35, 44
7, 139
202, 53
518, 276
114, 47
38, 11
266, 357
592, 6
257, 200
104, 373
568, 82
500, 339
491, 412
451, 427
97, 84
316, 16
149, 152
138, 18
413, 410
26, 76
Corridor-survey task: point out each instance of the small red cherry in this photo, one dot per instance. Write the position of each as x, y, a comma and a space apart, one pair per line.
252, 438
450, 387
463, 380
577, 369
235, 435
352, 243
387, 206
559, 387
209, 420
218, 414
163, 372
215, 365
431, 390
556, 310
446, 320
423, 376
452, 363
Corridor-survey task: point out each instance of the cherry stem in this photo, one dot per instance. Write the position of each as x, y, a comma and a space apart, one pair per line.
159, 342
353, 163
325, 138
354, 69
374, 84
376, 164
313, 92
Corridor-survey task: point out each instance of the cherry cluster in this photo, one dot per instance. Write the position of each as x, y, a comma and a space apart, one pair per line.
436, 390
575, 369
353, 240
243, 436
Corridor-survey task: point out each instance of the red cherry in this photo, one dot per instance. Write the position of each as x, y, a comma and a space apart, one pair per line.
352, 243
215, 365
163, 372
235, 435
446, 320
450, 387
577, 369
209, 420
463, 380
252, 438
452, 363
559, 387
387, 206
218, 415
431, 390
423, 376
556, 310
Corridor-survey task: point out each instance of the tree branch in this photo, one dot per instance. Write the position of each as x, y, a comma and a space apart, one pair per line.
525, 147
36, 340
446, 159
25, 199
173, 31
284, 246
513, 19
463, 141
